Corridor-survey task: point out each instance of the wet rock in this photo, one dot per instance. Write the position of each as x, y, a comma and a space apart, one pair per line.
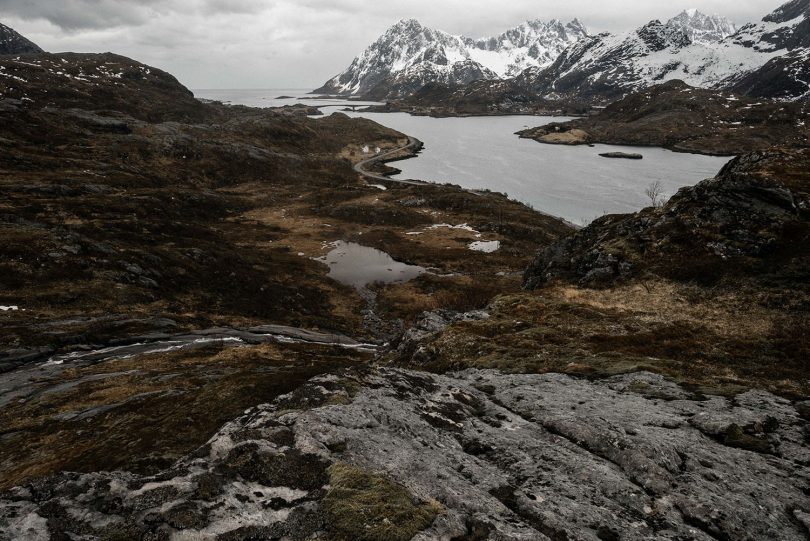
624, 155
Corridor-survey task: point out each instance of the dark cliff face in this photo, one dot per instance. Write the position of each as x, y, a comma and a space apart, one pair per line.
788, 11
783, 78
12, 42
658, 36
751, 222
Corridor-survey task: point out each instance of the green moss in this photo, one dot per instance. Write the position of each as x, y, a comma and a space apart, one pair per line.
362, 506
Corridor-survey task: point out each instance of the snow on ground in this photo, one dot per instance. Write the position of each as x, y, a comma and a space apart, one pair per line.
486, 246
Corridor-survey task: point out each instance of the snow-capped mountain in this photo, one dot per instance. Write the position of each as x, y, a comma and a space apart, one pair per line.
409, 55
13, 43
702, 28
608, 66
532, 44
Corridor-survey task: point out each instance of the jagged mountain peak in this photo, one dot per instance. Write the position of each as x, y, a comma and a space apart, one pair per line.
577, 25
702, 28
408, 22
535, 28
407, 27
11, 42
659, 36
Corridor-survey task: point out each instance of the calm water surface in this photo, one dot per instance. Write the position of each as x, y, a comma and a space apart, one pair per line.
358, 266
574, 183
270, 98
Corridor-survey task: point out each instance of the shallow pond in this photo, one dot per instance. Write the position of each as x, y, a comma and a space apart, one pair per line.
359, 266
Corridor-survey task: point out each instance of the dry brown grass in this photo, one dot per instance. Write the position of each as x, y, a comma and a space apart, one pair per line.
722, 343
364, 506
195, 392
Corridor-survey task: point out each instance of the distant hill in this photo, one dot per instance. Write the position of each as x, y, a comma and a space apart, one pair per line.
11, 42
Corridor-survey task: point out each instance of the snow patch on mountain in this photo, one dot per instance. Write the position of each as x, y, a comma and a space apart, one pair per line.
532, 44
608, 65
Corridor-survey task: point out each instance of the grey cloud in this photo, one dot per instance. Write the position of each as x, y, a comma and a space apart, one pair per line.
73, 15
80, 14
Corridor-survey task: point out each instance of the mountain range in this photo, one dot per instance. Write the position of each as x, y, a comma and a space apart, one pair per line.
409, 55
768, 58
609, 66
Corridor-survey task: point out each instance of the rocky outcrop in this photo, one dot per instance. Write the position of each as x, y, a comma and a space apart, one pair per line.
683, 118
750, 221
395, 454
412, 342
623, 155
12, 42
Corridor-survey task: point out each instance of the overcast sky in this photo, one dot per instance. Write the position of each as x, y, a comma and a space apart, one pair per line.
300, 43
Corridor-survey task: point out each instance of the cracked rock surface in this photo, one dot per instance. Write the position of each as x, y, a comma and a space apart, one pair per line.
485, 455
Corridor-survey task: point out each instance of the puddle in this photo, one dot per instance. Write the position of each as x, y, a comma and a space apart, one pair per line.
358, 266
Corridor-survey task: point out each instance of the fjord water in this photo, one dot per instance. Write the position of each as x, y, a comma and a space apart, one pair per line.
574, 183
277, 97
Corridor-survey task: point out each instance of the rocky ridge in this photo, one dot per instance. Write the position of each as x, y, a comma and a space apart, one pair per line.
683, 118
12, 42
702, 28
396, 455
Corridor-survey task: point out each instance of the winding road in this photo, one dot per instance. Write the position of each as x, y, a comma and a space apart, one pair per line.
360, 167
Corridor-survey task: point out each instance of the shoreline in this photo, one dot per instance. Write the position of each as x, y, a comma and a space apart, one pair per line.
679, 150
412, 150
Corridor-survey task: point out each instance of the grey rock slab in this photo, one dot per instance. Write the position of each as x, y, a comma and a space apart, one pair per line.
507, 456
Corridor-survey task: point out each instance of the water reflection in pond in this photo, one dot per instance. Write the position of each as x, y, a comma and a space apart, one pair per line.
358, 266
